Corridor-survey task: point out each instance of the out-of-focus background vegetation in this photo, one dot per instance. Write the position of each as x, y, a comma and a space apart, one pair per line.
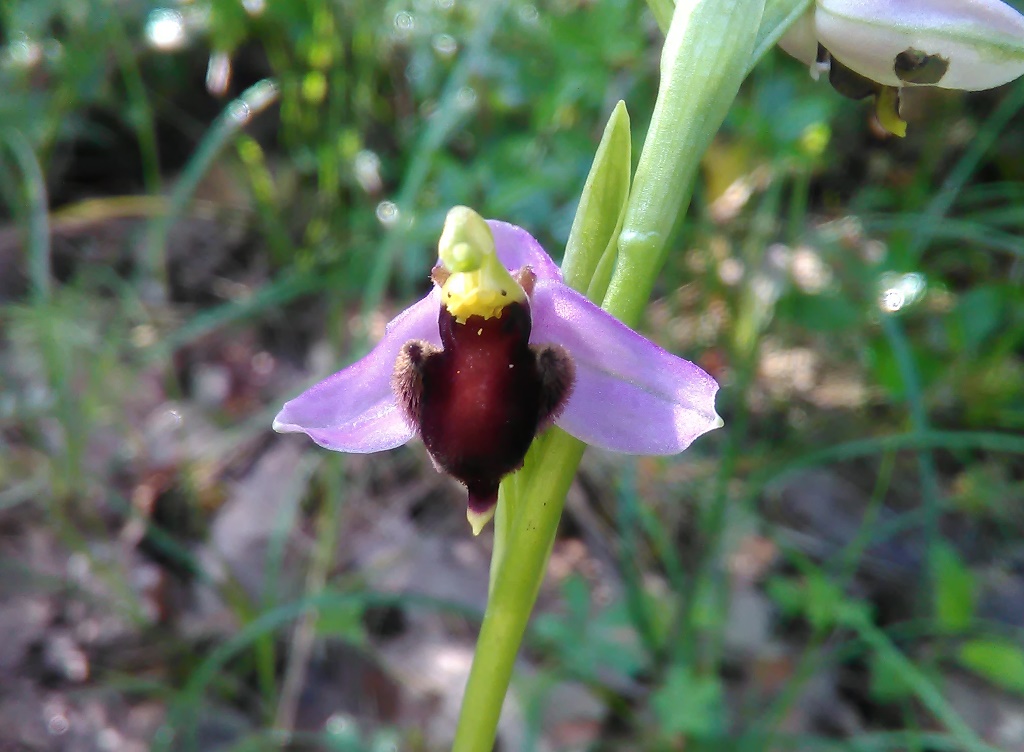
185, 245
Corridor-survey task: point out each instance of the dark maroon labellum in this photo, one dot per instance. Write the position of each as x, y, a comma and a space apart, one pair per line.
479, 401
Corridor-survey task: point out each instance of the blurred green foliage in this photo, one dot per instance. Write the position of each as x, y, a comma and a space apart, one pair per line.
896, 269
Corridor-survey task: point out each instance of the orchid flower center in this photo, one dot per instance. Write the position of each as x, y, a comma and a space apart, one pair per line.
478, 285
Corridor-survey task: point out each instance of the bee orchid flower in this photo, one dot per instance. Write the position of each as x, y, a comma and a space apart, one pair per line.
878, 47
497, 351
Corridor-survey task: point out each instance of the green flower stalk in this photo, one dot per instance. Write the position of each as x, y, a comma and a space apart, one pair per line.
706, 56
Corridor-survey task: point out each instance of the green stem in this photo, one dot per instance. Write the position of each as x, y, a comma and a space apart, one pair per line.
508, 497
707, 53
38, 225
140, 110
515, 589
919, 422
450, 116
929, 695
709, 583
152, 252
704, 60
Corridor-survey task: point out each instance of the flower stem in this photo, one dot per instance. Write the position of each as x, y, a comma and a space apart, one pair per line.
705, 58
530, 537
707, 53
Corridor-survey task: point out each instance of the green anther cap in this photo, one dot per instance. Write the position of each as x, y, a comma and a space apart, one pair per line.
465, 240
478, 284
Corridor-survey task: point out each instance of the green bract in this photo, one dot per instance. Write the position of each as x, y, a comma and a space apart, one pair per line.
704, 60
592, 246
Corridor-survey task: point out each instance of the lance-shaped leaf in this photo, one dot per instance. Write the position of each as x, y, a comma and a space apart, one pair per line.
591, 248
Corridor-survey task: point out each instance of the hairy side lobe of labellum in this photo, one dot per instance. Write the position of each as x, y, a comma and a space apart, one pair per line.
479, 400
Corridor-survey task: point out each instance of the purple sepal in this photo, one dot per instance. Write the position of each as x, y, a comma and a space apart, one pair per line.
630, 395
355, 410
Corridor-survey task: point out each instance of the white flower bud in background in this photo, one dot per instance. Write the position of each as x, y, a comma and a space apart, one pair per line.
952, 44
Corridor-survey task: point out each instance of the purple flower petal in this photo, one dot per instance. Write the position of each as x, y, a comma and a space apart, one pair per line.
516, 248
630, 395
355, 410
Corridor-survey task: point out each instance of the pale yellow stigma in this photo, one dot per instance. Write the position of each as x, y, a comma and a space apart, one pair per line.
479, 520
478, 284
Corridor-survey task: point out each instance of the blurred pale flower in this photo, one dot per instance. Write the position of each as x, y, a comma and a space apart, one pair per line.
499, 349
877, 47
